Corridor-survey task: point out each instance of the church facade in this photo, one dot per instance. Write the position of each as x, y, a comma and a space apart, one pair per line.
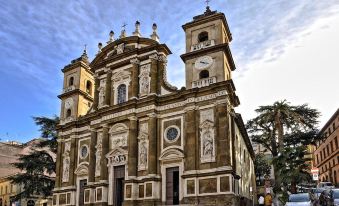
128, 137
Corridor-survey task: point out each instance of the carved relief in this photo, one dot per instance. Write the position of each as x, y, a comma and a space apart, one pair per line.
207, 136
143, 147
120, 48
117, 157
144, 80
66, 162
98, 155
101, 90
118, 135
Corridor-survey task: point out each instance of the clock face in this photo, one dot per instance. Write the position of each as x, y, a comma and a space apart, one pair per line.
203, 62
68, 103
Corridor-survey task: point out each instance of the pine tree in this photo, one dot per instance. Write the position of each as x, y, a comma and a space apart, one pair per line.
38, 166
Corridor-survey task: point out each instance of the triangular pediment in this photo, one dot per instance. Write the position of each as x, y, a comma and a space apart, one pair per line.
115, 152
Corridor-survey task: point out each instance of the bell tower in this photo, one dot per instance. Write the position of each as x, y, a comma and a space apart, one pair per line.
208, 58
78, 89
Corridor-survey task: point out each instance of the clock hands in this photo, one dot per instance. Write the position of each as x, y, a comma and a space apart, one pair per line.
203, 62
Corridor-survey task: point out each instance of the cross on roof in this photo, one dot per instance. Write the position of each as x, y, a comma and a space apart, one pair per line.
124, 26
207, 2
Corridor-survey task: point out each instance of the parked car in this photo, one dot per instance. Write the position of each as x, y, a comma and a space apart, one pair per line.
327, 185
335, 196
325, 198
301, 199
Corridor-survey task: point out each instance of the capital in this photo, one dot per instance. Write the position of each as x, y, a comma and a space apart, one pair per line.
132, 118
154, 57
135, 61
152, 115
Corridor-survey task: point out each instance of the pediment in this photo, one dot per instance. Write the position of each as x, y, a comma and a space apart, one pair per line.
171, 154
82, 169
118, 128
115, 152
206, 124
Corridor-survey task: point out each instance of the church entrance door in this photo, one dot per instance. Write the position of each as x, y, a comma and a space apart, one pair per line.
119, 177
172, 186
83, 183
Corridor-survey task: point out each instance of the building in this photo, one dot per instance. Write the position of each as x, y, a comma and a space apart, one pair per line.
327, 151
9, 153
128, 137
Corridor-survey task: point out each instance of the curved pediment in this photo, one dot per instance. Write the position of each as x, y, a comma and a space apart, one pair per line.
120, 48
82, 169
172, 154
118, 128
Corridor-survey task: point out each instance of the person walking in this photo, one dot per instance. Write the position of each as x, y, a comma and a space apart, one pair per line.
268, 199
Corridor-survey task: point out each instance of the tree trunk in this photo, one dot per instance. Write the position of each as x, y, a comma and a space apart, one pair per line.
277, 180
280, 129
293, 187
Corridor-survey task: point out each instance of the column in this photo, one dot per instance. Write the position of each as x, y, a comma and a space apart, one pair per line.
154, 73
135, 78
108, 88
161, 71
191, 140
105, 150
152, 137
73, 159
132, 147
96, 92
58, 160
91, 167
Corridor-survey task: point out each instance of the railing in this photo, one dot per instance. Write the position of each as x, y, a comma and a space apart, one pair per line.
68, 89
202, 45
204, 82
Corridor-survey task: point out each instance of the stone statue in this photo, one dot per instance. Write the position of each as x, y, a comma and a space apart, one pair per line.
143, 154
208, 144
101, 96
65, 170
144, 85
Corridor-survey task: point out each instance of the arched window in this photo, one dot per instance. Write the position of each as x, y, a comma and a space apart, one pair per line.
121, 93
204, 74
89, 87
203, 36
68, 112
71, 81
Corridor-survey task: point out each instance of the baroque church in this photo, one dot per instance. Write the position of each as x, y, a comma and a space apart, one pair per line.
128, 137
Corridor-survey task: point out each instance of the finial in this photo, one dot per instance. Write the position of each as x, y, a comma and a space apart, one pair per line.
154, 35
123, 31
137, 29
84, 53
111, 37
99, 47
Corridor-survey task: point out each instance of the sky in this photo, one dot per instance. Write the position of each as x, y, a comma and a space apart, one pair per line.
282, 49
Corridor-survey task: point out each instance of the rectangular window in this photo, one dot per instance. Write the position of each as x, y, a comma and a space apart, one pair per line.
336, 142
317, 158
331, 144
321, 156
328, 150
333, 126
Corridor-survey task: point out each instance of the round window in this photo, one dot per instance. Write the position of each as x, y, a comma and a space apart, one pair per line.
172, 133
84, 151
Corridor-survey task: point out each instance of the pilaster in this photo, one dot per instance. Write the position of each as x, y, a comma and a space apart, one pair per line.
96, 92
223, 151
105, 150
72, 165
58, 168
191, 139
108, 88
152, 131
91, 167
132, 147
135, 75
154, 73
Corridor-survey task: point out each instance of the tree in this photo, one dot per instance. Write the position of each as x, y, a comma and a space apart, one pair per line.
261, 166
38, 166
276, 124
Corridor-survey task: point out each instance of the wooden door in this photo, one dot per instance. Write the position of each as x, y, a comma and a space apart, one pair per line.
119, 177
172, 186
83, 183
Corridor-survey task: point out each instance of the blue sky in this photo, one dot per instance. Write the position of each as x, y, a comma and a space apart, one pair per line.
297, 39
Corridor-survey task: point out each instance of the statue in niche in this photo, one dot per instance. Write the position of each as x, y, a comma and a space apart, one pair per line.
65, 171
208, 144
144, 85
143, 154
101, 96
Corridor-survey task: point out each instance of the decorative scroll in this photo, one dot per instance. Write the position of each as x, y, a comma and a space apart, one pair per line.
66, 162
207, 136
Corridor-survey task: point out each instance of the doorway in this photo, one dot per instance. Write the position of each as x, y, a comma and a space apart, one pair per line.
82, 184
119, 177
172, 186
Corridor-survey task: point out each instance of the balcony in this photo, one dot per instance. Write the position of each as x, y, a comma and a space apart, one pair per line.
204, 82
68, 89
202, 45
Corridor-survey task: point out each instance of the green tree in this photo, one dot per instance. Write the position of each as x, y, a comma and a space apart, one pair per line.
261, 166
38, 166
283, 125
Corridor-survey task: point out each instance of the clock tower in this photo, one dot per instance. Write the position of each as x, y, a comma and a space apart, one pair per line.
78, 89
208, 58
